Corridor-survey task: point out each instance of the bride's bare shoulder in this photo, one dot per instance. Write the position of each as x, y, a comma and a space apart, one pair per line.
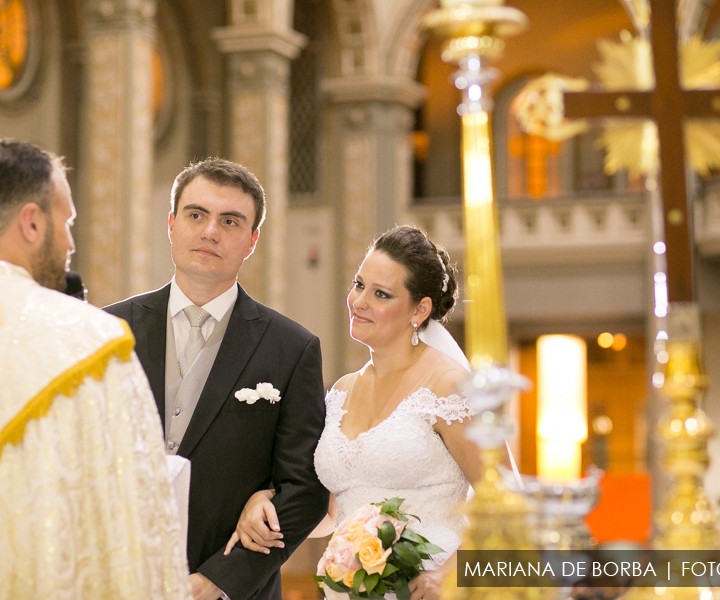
444, 375
346, 381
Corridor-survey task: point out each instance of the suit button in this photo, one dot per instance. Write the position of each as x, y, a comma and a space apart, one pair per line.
177, 411
172, 445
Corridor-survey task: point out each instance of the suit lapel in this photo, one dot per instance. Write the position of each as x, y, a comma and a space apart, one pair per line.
149, 316
245, 330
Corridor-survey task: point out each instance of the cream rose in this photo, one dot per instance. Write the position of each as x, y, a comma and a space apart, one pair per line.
373, 557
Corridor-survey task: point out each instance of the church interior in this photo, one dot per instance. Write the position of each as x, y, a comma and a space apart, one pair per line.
346, 112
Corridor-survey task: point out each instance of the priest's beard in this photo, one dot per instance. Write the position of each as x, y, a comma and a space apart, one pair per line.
50, 266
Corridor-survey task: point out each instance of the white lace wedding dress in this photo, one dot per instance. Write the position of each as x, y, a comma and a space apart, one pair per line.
401, 456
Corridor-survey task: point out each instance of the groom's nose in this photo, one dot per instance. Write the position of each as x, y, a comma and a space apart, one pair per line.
211, 231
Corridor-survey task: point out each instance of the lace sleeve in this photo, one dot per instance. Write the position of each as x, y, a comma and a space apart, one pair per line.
452, 408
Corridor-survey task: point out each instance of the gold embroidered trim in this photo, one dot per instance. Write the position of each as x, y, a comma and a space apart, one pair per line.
67, 383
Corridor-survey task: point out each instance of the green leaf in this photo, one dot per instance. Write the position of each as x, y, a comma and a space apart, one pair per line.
428, 548
389, 570
386, 533
381, 588
371, 581
406, 552
391, 506
402, 592
358, 578
411, 536
334, 585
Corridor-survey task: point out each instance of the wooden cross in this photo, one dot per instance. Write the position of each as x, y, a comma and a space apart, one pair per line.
668, 105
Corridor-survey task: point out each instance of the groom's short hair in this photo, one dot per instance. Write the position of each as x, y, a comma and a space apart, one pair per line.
221, 172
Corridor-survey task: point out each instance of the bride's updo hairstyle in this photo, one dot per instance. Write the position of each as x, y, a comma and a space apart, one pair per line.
428, 266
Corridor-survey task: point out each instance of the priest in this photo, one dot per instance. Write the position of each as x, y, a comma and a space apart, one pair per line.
86, 508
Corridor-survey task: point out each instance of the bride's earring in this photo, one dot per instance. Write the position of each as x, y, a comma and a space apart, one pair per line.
415, 340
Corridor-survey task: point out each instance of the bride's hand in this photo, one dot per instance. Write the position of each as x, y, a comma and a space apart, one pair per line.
427, 585
258, 528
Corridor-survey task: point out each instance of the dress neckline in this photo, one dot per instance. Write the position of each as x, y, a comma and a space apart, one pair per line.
344, 394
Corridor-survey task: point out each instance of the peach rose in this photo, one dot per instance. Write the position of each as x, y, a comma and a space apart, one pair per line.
371, 554
363, 515
355, 531
339, 559
366, 513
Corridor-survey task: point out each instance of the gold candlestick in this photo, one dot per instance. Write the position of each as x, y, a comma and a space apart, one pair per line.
686, 519
471, 29
497, 516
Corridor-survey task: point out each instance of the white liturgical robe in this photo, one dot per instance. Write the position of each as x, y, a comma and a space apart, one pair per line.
86, 507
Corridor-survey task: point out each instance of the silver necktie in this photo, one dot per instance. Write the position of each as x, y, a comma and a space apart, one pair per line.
197, 316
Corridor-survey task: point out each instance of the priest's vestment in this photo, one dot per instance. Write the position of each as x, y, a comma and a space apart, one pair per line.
86, 507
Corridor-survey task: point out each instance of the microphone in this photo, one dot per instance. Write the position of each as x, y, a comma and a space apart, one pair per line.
74, 286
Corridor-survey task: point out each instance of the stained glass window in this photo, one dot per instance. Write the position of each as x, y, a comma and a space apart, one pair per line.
14, 33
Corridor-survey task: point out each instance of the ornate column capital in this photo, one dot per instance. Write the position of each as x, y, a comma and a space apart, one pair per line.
245, 39
386, 90
259, 69
120, 13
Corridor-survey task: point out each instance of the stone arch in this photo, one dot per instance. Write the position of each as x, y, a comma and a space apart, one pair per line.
404, 48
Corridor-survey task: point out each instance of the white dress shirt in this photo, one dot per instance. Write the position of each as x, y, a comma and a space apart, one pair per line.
218, 307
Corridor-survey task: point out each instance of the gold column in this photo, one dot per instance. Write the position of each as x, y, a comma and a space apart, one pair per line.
472, 29
497, 516
485, 329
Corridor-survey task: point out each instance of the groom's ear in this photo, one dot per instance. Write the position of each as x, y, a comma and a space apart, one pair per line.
423, 310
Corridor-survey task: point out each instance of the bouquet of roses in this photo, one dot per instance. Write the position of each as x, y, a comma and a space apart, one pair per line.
373, 553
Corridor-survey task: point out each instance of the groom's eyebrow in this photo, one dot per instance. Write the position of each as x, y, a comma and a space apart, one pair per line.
196, 207
234, 213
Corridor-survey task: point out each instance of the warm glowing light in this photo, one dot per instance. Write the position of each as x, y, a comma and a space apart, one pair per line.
605, 339
658, 380
562, 405
661, 294
602, 425
659, 248
158, 82
558, 460
619, 342
476, 159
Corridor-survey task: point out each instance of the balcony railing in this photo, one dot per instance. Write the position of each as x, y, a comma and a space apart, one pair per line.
589, 229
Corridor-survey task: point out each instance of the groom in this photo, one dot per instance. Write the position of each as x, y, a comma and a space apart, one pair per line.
206, 346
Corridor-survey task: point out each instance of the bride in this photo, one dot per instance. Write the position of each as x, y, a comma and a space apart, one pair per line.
397, 426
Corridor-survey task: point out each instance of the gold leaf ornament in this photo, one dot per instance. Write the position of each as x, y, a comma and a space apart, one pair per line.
633, 145
626, 64
539, 107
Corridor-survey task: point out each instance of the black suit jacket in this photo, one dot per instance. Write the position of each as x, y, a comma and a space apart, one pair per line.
236, 449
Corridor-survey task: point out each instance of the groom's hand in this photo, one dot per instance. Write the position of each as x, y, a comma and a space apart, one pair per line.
203, 588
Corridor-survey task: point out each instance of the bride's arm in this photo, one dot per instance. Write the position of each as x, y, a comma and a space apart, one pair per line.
454, 434
428, 585
328, 524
